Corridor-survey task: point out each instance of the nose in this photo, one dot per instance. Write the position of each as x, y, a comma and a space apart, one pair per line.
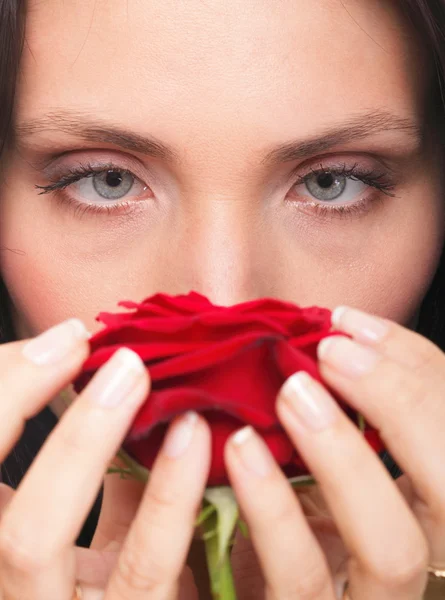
220, 252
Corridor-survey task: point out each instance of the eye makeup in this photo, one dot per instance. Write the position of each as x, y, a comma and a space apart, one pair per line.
69, 177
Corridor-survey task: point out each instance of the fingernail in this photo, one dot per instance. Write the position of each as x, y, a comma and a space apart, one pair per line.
346, 356
55, 343
252, 451
117, 379
308, 402
363, 327
179, 435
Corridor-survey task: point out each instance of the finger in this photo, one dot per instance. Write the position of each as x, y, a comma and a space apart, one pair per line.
6, 494
34, 371
155, 550
94, 567
38, 559
388, 548
86, 592
246, 569
291, 559
394, 340
120, 501
404, 401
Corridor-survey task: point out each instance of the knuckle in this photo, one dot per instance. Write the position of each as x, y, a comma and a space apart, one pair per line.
135, 574
404, 569
161, 514
407, 389
72, 441
286, 512
18, 554
424, 357
308, 585
161, 502
76, 436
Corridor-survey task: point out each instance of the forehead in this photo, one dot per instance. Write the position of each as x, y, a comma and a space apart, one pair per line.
257, 67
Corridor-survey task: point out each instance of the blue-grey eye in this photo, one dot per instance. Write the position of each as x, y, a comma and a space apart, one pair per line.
113, 185
326, 186
107, 186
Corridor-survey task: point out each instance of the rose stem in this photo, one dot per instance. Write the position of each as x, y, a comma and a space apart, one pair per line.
221, 578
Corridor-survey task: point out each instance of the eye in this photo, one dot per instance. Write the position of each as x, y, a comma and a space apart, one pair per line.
327, 186
112, 184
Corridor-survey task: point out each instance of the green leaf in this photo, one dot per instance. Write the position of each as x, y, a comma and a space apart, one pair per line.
209, 534
204, 514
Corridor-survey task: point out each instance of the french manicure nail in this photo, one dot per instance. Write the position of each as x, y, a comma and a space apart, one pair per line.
55, 343
252, 451
308, 402
347, 356
180, 435
117, 379
362, 326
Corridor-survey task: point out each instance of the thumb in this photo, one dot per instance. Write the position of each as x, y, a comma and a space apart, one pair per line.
121, 499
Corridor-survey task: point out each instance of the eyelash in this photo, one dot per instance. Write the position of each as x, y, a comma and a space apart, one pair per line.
77, 173
372, 178
377, 180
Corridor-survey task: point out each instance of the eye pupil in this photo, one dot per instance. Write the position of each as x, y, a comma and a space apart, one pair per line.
325, 180
113, 178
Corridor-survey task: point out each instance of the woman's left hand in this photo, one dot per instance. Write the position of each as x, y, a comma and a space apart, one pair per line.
391, 530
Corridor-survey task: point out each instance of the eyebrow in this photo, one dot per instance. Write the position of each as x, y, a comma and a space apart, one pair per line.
87, 129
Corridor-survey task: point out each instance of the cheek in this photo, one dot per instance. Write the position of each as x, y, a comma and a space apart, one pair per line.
393, 281
46, 284
384, 265
45, 291
408, 257
38, 293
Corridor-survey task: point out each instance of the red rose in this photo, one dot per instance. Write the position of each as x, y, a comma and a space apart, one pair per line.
227, 363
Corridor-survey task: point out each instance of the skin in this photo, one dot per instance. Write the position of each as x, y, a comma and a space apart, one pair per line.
223, 88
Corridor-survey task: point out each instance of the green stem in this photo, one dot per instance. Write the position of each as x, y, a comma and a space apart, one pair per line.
220, 573
133, 468
302, 481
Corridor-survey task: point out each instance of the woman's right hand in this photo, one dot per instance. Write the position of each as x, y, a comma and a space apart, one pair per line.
41, 520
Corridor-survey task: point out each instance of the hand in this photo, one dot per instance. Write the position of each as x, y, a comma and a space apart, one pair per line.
41, 520
391, 530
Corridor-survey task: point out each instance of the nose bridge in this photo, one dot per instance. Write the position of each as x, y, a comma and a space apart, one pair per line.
220, 231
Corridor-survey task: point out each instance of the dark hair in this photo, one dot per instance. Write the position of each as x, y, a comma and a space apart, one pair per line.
428, 17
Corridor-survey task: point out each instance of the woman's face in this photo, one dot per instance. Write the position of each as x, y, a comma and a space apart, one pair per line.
239, 150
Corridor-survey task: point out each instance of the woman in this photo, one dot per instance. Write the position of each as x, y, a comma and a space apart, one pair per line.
292, 150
